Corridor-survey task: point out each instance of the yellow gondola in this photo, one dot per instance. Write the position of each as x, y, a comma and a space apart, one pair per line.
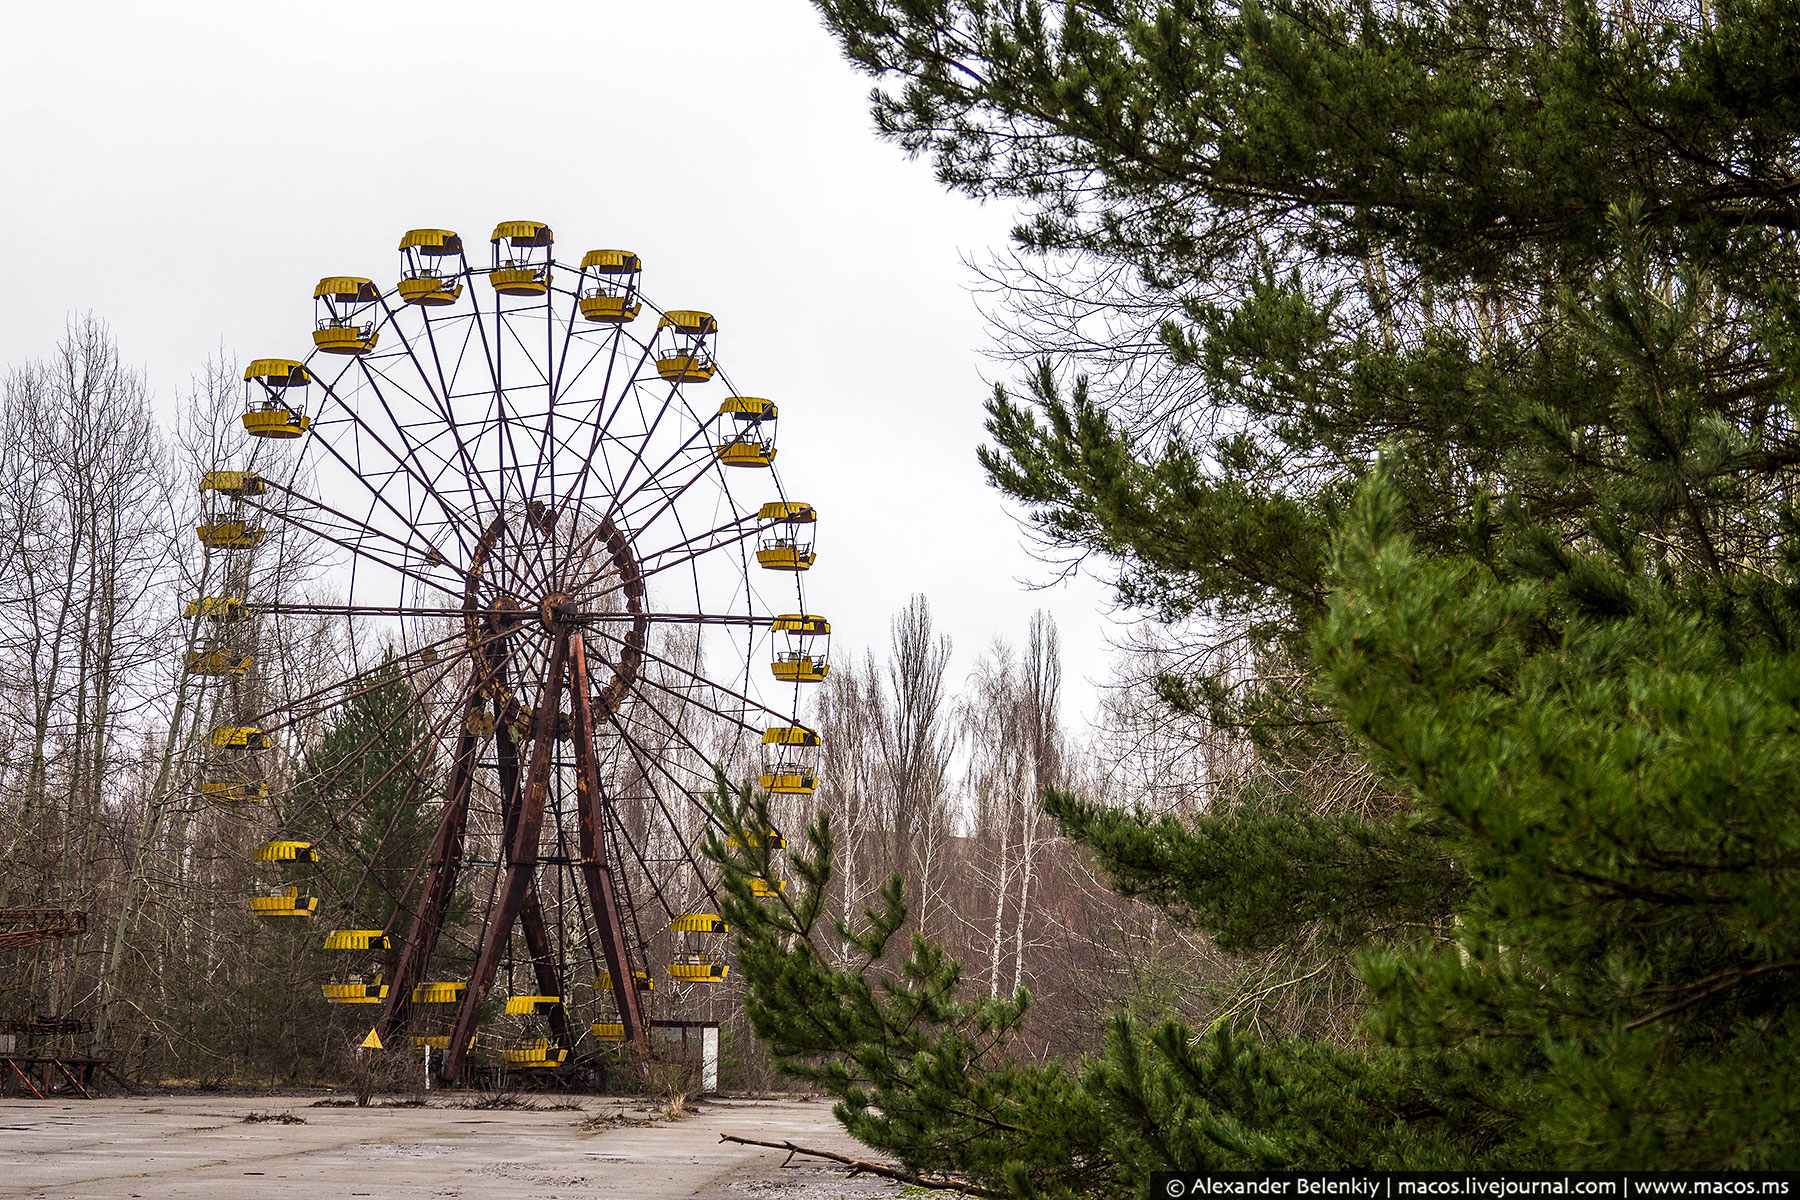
355, 991
357, 939
534, 1054
763, 889
221, 791
749, 440
216, 608
608, 1031
216, 662
248, 736
789, 779
438, 993
640, 979
787, 774
526, 1006
236, 484
286, 903
343, 314
789, 546
772, 839
427, 277
685, 340
267, 409
521, 258
287, 852
807, 643
230, 535
609, 286
699, 970
698, 923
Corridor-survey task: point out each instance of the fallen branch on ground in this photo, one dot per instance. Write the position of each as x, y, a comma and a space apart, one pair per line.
860, 1166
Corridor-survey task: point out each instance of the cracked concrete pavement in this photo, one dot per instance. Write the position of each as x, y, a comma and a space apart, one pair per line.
201, 1148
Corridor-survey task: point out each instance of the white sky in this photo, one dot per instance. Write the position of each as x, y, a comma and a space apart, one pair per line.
188, 171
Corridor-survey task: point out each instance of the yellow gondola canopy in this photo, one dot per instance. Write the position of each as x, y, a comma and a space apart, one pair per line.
356, 992
357, 939
698, 923
640, 978
431, 242
278, 373
233, 483
523, 233
611, 262
789, 735
525, 1006
217, 608
241, 735
438, 993
689, 321
287, 852
748, 408
232, 791
794, 512
800, 623
230, 535
351, 289
217, 662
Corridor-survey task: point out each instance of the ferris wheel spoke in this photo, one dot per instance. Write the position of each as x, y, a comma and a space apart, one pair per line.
405, 463
697, 448
614, 511
546, 458
291, 609
646, 764
698, 678
379, 497
719, 543
437, 388
695, 555
358, 547
670, 401
493, 350
677, 733
337, 690
433, 732
603, 424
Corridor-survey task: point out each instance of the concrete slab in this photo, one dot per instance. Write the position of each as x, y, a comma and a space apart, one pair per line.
201, 1148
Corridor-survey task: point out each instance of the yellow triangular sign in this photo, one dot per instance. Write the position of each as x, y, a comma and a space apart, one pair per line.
372, 1042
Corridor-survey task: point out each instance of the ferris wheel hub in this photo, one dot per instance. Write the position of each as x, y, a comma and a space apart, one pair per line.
557, 610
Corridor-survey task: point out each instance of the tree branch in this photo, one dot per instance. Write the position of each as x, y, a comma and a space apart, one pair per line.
860, 1166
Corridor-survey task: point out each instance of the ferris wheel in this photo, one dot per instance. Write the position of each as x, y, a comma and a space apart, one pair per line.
573, 584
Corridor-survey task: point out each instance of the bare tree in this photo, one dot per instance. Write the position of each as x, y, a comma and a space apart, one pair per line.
83, 571
1011, 724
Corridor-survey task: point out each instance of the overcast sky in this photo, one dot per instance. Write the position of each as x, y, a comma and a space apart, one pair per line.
188, 171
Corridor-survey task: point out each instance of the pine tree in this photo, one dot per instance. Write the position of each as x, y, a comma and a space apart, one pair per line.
365, 796
1487, 325
371, 783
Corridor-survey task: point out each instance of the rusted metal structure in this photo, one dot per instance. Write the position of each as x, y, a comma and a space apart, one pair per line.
567, 527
